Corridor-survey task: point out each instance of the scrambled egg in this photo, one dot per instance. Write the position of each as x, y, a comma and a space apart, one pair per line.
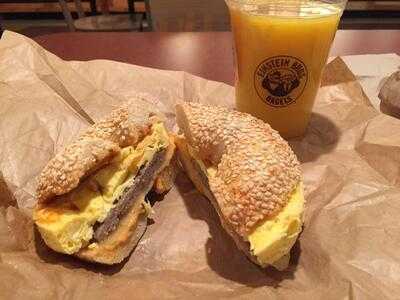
272, 240
67, 225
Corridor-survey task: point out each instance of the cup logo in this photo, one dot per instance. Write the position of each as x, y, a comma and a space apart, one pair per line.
280, 80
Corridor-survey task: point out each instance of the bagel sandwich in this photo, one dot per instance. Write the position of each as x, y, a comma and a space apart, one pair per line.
249, 174
92, 195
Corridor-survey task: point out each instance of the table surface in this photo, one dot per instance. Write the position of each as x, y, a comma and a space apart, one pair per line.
206, 54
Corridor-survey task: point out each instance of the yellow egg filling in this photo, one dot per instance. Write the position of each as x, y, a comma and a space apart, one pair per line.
67, 225
272, 240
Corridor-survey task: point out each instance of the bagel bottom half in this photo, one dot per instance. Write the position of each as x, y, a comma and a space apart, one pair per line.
198, 173
118, 245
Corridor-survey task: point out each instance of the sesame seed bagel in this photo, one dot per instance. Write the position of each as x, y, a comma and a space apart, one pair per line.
91, 195
255, 170
94, 148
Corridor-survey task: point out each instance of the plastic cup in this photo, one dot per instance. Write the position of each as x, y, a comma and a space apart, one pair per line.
281, 48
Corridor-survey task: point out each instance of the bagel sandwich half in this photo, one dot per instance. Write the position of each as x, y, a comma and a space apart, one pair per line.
250, 175
92, 195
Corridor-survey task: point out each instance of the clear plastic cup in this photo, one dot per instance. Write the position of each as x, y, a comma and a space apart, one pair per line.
281, 49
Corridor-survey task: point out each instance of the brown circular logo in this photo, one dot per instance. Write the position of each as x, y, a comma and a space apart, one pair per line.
280, 80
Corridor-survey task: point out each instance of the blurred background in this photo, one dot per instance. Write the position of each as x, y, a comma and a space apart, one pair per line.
37, 17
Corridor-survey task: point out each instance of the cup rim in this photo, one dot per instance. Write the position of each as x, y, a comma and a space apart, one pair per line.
286, 4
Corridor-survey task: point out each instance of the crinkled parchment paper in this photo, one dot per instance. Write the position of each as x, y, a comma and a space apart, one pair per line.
349, 248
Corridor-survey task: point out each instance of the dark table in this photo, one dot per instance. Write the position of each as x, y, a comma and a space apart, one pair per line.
206, 54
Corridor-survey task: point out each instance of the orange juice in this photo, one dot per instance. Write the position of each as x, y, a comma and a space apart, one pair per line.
281, 50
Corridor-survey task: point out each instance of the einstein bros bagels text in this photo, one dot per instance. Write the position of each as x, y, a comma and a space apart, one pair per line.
281, 49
